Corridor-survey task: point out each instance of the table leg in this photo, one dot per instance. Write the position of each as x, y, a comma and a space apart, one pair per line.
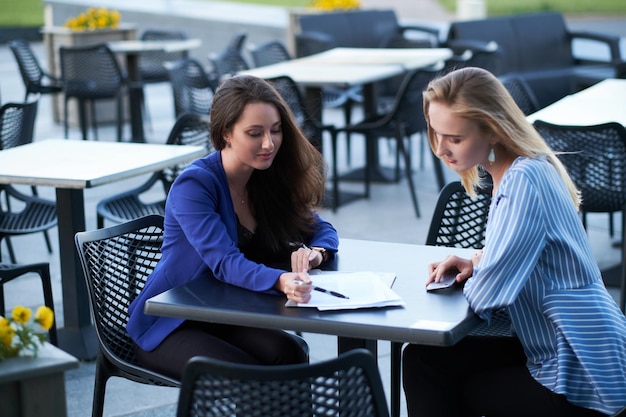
77, 337
135, 97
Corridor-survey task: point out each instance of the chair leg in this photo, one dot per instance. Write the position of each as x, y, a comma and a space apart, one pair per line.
347, 115
409, 174
82, 116
65, 121
99, 388
46, 236
120, 116
94, 122
44, 274
335, 172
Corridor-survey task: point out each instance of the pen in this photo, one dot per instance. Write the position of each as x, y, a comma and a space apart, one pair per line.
324, 290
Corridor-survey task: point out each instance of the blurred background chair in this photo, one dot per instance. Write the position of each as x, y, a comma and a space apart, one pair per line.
228, 62
116, 262
9, 272
595, 158
347, 386
151, 64
521, 93
17, 124
91, 73
36, 79
189, 129
192, 87
273, 52
403, 120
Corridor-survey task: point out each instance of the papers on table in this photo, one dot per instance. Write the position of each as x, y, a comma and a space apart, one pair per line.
364, 289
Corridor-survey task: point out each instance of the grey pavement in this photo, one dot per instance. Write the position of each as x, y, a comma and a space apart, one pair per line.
386, 216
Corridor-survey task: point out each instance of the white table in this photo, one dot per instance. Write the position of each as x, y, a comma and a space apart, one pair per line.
601, 103
131, 49
71, 166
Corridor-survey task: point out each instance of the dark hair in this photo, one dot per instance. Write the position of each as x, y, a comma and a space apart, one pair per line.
285, 195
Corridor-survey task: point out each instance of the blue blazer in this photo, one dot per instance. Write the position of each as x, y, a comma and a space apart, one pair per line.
200, 240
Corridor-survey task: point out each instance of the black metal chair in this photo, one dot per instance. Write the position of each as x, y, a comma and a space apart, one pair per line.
228, 62
36, 79
275, 51
192, 87
116, 262
189, 129
595, 157
9, 272
17, 123
91, 73
151, 64
347, 386
404, 119
290, 92
521, 93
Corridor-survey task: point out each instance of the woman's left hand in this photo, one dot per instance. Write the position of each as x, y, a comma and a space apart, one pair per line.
305, 259
451, 262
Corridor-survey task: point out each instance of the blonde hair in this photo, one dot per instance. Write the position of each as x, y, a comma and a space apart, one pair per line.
476, 94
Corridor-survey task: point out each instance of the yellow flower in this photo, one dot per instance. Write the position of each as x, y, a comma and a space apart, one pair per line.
45, 317
21, 314
94, 18
6, 334
335, 4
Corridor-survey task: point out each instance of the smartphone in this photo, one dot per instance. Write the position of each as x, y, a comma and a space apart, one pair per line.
447, 280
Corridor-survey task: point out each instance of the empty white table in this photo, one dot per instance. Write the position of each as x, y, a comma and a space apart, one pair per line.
71, 166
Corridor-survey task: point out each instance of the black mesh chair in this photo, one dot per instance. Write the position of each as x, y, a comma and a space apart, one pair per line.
91, 73
9, 272
290, 92
595, 157
193, 88
189, 129
228, 62
116, 262
403, 120
347, 386
521, 93
151, 64
36, 79
17, 123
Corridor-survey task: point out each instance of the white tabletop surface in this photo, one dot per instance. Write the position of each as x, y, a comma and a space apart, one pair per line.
135, 46
64, 163
352, 66
601, 103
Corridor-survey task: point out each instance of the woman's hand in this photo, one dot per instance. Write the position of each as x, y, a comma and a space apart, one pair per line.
295, 286
451, 262
304, 259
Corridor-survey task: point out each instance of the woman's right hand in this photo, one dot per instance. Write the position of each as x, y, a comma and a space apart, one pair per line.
295, 285
450, 262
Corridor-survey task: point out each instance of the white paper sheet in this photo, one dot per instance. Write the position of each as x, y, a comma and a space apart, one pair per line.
364, 289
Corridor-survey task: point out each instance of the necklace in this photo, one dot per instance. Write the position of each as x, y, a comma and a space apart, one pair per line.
239, 196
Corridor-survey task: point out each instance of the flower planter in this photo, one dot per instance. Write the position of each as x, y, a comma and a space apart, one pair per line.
33, 387
55, 37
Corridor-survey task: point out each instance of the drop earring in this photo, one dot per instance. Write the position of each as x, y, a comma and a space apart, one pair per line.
492, 157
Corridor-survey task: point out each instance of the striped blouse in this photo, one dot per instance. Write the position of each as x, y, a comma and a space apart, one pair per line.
537, 263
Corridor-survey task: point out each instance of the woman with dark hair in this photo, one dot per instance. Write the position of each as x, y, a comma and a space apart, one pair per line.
245, 215
569, 354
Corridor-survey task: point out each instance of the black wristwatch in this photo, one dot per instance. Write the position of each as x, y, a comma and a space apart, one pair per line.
322, 251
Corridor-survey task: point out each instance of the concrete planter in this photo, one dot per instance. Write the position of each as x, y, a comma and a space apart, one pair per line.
33, 387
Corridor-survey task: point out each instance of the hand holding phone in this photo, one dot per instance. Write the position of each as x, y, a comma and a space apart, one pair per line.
447, 280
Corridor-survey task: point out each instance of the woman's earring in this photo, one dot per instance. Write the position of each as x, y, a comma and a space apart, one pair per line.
228, 145
492, 157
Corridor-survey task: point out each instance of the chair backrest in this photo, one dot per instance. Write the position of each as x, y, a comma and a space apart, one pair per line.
192, 88
237, 41
347, 386
459, 220
17, 123
116, 262
29, 66
595, 157
407, 110
521, 93
271, 52
189, 129
290, 92
151, 63
90, 72
228, 62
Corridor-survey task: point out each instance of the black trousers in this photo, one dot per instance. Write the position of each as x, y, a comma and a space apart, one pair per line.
479, 376
247, 345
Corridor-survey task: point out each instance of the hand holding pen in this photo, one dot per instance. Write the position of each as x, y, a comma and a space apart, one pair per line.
320, 289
